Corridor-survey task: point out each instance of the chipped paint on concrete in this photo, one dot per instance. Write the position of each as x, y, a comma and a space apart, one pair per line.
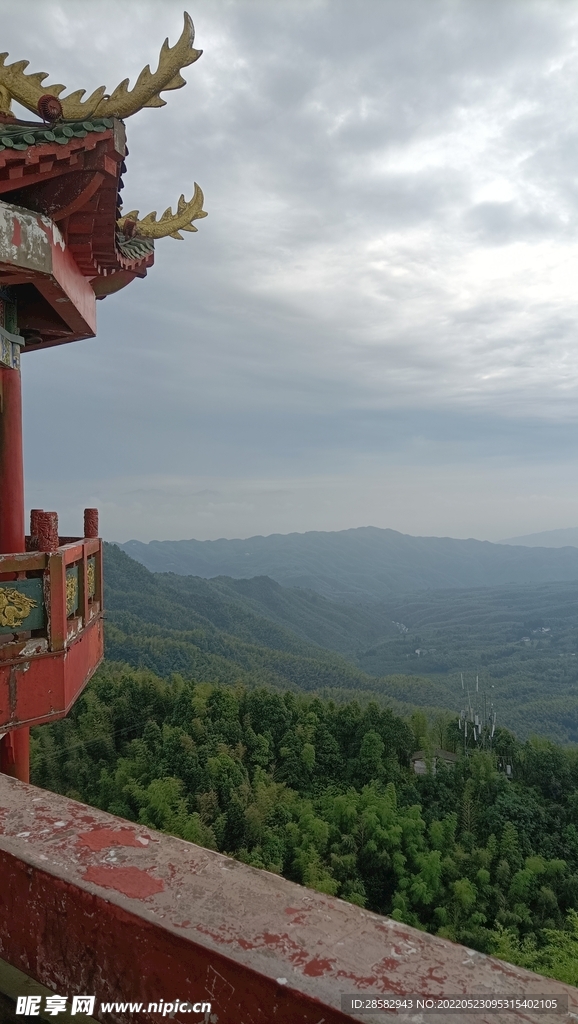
133, 882
104, 838
127, 920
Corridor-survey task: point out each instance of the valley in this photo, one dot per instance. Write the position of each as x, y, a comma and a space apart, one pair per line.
520, 640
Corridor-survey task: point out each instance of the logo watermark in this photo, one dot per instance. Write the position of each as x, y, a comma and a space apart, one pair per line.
30, 1006
52, 1006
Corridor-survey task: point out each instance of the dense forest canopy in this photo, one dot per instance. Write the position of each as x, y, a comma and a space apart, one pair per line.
324, 794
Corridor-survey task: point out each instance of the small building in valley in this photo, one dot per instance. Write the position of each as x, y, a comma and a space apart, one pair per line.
421, 760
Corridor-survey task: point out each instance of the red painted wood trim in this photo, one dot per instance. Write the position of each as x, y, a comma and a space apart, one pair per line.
40, 687
56, 604
25, 562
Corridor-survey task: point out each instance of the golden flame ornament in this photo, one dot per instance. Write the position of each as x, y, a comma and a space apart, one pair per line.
170, 224
28, 89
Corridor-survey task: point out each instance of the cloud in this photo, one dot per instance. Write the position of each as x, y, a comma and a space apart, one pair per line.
459, 500
391, 241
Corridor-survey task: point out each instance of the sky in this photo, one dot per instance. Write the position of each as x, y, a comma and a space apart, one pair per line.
377, 323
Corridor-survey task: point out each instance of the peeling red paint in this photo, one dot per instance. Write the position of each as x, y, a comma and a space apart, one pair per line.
17, 233
389, 963
215, 936
317, 967
47, 819
433, 971
360, 982
103, 838
382, 983
299, 914
133, 882
283, 943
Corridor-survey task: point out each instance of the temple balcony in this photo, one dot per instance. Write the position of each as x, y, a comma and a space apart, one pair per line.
94, 905
51, 635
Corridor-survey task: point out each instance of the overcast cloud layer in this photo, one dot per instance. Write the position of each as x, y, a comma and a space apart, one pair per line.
377, 323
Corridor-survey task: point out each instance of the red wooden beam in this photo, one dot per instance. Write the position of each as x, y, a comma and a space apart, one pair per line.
42, 672
31, 242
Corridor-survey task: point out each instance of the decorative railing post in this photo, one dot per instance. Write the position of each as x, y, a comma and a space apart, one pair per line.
33, 540
47, 530
91, 522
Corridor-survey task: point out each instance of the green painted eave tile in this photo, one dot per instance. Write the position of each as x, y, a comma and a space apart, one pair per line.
20, 137
134, 248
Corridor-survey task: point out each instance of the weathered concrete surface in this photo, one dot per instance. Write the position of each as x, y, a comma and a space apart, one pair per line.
92, 904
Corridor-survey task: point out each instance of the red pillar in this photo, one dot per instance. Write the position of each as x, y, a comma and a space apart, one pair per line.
14, 748
11, 463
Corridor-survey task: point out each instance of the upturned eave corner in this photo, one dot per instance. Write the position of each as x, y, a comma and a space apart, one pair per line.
83, 137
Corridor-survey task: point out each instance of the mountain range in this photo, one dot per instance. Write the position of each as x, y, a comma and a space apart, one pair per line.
359, 565
520, 641
547, 539
216, 631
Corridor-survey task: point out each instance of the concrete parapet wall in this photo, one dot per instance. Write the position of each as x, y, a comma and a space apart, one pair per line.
93, 904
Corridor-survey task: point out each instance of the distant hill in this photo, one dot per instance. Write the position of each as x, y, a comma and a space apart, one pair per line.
360, 565
209, 632
547, 539
256, 611
521, 640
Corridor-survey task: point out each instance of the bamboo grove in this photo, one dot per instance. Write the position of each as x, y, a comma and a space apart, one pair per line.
324, 794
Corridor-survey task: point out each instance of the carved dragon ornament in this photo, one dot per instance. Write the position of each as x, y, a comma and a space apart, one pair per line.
14, 607
29, 90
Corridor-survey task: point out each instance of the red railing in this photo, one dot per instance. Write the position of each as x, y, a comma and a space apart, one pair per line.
50, 627
62, 622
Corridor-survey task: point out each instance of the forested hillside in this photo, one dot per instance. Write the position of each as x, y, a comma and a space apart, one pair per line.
172, 624
360, 565
247, 608
323, 794
521, 641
